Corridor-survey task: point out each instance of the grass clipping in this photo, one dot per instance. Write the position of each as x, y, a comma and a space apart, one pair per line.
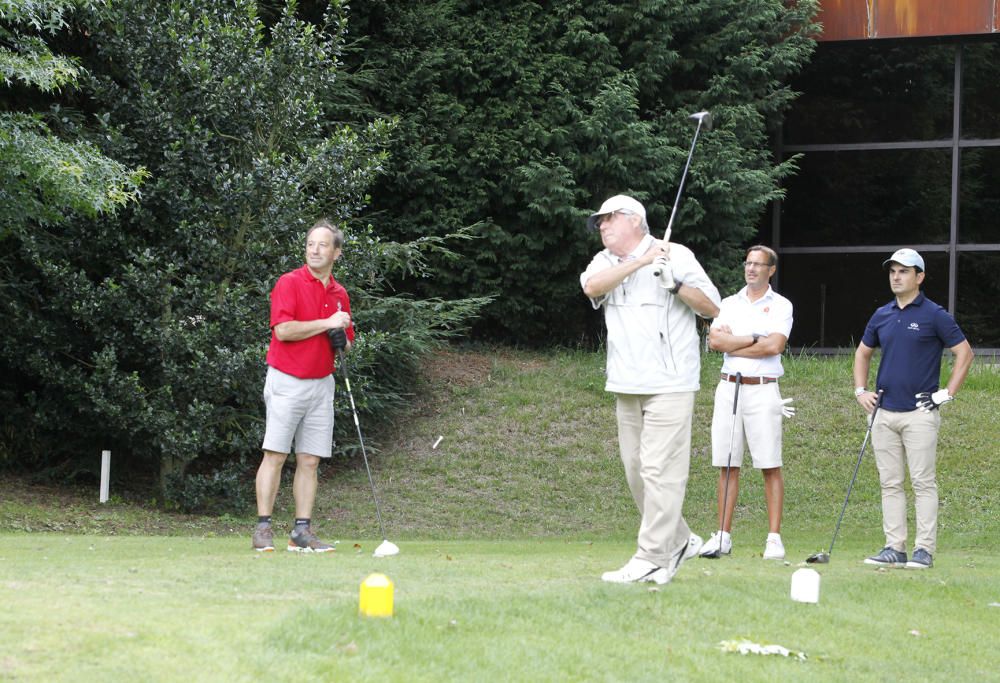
748, 647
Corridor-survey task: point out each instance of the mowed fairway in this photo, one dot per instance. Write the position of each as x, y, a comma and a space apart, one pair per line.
80, 608
505, 528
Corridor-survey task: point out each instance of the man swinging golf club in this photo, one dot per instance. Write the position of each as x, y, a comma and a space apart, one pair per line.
912, 331
752, 329
653, 369
306, 304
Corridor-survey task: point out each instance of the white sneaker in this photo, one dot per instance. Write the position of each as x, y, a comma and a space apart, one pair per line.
711, 546
636, 570
693, 547
774, 549
689, 550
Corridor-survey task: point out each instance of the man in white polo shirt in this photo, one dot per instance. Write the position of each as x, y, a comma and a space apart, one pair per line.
752, 329
653, 369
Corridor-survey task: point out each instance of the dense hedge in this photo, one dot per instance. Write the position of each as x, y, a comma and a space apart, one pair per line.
520, 117
146, 332
209, 134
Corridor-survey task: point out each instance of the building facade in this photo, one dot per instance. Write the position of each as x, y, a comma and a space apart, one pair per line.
897, 140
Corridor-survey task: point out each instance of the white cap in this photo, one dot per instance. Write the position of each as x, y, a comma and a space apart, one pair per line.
620, 202
906, 257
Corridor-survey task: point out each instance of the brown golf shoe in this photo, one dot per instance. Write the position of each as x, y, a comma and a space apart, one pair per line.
263, 539
305, 541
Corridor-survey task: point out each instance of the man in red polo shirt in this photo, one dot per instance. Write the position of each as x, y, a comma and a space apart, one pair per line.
308, 307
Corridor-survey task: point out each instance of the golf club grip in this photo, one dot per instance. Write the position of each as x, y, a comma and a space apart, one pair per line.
736, 393
343, 366
666, 240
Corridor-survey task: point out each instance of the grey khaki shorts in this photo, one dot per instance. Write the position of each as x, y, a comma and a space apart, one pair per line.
299, 411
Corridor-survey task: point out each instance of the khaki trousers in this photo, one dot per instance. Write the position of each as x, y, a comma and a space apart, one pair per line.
654, 435
901, 441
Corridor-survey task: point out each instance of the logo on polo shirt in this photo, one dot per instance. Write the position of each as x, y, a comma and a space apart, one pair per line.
915, 327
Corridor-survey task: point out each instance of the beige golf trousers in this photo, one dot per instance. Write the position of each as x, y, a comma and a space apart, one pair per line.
901, 441
654, 435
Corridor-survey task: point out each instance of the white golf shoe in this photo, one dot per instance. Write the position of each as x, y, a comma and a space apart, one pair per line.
694, 546
711, 546
690, 550
636, 570
774, 549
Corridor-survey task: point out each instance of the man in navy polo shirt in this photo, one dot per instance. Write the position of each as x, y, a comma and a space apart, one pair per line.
912, 331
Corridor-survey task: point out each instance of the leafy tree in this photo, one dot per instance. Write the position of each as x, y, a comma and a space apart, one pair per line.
44, 175
519, 118
147, 333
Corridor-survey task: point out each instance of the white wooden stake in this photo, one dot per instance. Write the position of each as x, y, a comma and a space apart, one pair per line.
105, 474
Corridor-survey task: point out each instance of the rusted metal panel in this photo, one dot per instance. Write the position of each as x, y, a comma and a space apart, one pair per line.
909, 18
860, 19
844, 19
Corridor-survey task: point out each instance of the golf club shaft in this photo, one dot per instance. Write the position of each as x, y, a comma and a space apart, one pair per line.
857, 466
361, 440
729, 461
680, 188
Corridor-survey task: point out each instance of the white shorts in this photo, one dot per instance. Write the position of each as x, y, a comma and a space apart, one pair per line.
299, 411
758, 425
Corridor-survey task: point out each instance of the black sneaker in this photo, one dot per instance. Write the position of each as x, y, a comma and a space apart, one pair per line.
921, 560
303, 540
263, 539
888, 558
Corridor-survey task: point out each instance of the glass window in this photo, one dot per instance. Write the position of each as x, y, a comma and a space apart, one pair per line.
868, 198
981, 90
874, 91
835, 294
979, 196
976, 299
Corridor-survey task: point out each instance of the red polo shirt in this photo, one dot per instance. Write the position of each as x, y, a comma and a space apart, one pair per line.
300, 296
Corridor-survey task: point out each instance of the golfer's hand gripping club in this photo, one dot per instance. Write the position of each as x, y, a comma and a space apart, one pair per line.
664, 273
927, 401
338, 339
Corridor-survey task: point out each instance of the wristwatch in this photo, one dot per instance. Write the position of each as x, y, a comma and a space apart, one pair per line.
859, 390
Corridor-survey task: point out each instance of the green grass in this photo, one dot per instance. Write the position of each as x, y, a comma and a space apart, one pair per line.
149, 609
505, 528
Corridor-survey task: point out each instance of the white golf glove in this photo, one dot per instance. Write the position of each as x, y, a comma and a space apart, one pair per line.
665, 274
927, 401
786, 410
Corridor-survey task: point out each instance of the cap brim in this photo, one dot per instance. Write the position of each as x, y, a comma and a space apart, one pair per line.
593, 220
902, 263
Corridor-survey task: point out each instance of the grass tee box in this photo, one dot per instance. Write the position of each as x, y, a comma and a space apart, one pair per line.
189, 609
521, 449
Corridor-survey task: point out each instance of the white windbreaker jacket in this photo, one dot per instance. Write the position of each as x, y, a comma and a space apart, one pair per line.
652, 335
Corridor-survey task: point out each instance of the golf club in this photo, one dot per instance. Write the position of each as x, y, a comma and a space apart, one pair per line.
729, 463
386, 548
703, 118
824, 558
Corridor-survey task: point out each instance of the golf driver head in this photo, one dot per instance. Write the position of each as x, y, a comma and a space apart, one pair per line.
386, 549
704, 118
819, 558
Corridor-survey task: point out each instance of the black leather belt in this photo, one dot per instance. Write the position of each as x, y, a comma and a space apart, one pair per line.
749, 380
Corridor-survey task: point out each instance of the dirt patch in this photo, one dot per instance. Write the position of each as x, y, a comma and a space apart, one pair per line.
462, 368
19, 489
